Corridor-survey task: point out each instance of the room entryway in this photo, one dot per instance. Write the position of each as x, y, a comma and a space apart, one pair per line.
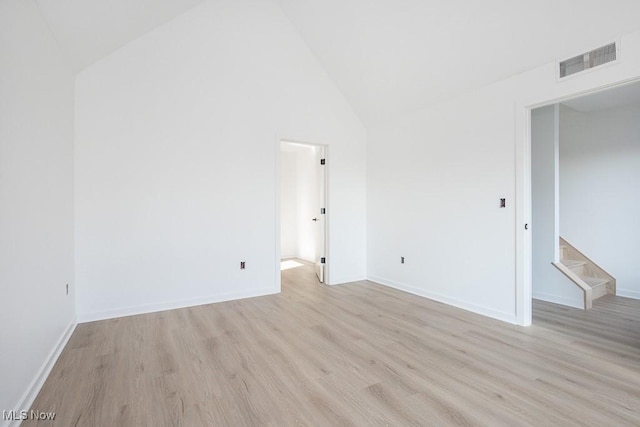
585, 171
303, 213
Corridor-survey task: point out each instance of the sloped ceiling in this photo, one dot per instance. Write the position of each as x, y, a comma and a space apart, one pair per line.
391, 57
388, 57
88, 30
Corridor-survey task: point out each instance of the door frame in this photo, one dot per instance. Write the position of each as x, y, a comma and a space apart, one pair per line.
524, 250
327, 267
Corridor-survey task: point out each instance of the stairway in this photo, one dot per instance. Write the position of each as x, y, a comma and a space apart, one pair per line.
591, 278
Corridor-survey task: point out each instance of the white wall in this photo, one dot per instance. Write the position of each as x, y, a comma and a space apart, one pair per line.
288, 204
177, 141
599, 197
308, 202
434, 182
36, 197
548, 283
299, 201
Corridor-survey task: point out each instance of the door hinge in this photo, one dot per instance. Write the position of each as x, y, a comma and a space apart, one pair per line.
323, 161
323, 260
323, 211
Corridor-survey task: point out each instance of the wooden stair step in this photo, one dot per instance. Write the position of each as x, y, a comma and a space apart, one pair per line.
598, 286
572, 263
577, 266
581, 270
594, 281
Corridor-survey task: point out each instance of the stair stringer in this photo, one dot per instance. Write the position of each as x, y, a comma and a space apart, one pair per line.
586, 289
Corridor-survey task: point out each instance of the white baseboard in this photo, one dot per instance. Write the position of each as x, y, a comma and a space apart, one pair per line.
32, 391
172, 305
627, 293
343, 280
484, 311
557, 299
312, 261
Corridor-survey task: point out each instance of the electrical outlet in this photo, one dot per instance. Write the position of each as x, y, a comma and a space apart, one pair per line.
401, 260
242, 265
503, 203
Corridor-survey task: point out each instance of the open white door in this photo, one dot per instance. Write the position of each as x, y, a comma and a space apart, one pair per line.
320, 218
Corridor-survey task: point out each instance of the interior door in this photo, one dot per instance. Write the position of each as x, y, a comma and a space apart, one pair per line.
320, 218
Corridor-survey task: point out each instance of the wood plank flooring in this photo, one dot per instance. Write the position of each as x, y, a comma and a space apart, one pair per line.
354, 355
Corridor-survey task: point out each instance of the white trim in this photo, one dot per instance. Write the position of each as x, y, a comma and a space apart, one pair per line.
312, 261
523, 215
325, 147
523, 191
557, 299
478, 309
556, 184
579, 93
627, 293
346, 280
32, 391
328, 214
278, 255
172, 305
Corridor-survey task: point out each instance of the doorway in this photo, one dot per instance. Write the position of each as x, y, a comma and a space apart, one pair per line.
585, 156
303, 206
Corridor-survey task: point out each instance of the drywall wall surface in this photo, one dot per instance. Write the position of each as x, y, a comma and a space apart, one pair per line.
308, 203
548, 283
434, 188
599, 197
36, 202
177, 145
300, 200
288, 204
434, 180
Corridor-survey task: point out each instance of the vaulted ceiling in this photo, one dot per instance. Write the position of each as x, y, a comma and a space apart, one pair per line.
388, 57
88, 30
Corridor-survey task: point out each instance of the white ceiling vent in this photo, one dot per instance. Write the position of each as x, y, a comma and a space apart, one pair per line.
587, 60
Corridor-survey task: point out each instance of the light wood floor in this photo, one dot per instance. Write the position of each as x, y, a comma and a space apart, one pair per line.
357, 354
